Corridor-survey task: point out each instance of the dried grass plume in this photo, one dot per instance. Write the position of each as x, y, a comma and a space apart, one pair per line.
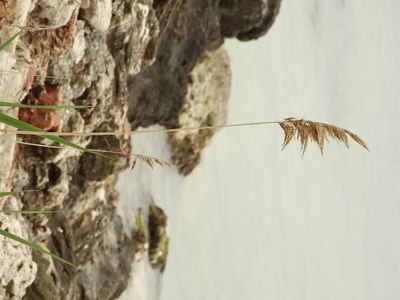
150, 161
305, 130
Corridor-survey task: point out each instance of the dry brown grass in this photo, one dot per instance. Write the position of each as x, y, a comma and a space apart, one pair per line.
305, 131
144, 158
150, 161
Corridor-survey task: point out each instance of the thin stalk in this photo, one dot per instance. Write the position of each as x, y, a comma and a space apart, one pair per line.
135, 131
28, 212
65, 147
32, 75
19, 105
5, 119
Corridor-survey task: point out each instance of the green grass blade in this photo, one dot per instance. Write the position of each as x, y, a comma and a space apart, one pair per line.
28, 127
9, 104
2, 47
3, 194
28, 212
33, 246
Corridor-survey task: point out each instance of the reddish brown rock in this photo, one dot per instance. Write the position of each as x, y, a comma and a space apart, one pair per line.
29, 79
46, 119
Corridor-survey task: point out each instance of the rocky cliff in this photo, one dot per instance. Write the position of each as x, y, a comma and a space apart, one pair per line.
140, 62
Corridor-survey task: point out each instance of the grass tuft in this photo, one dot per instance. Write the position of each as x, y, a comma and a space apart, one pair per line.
306, 131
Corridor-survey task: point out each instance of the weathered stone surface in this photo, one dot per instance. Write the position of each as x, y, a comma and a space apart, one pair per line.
131, 39
189, 28
78, 183
113, 254
17, 270
159, 91
248, 20
98, 14
205, 105
90, 236
43, 45
50, 14
12, 79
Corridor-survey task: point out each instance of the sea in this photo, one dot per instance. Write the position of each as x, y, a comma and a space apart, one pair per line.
254, 222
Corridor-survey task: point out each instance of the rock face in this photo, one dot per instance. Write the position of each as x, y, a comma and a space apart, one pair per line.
248, 20
18, 270
158, 237
193, 27
74, 66
205, 104
157, 61
159, 91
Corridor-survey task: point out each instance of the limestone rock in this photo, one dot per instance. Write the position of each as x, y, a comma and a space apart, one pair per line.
51, 14
187, 30
131, 39
157, 93
248, 20
83, 71
82, 185
12, 78
113, 254
98, 14
205, 105
44, 45
17, 270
